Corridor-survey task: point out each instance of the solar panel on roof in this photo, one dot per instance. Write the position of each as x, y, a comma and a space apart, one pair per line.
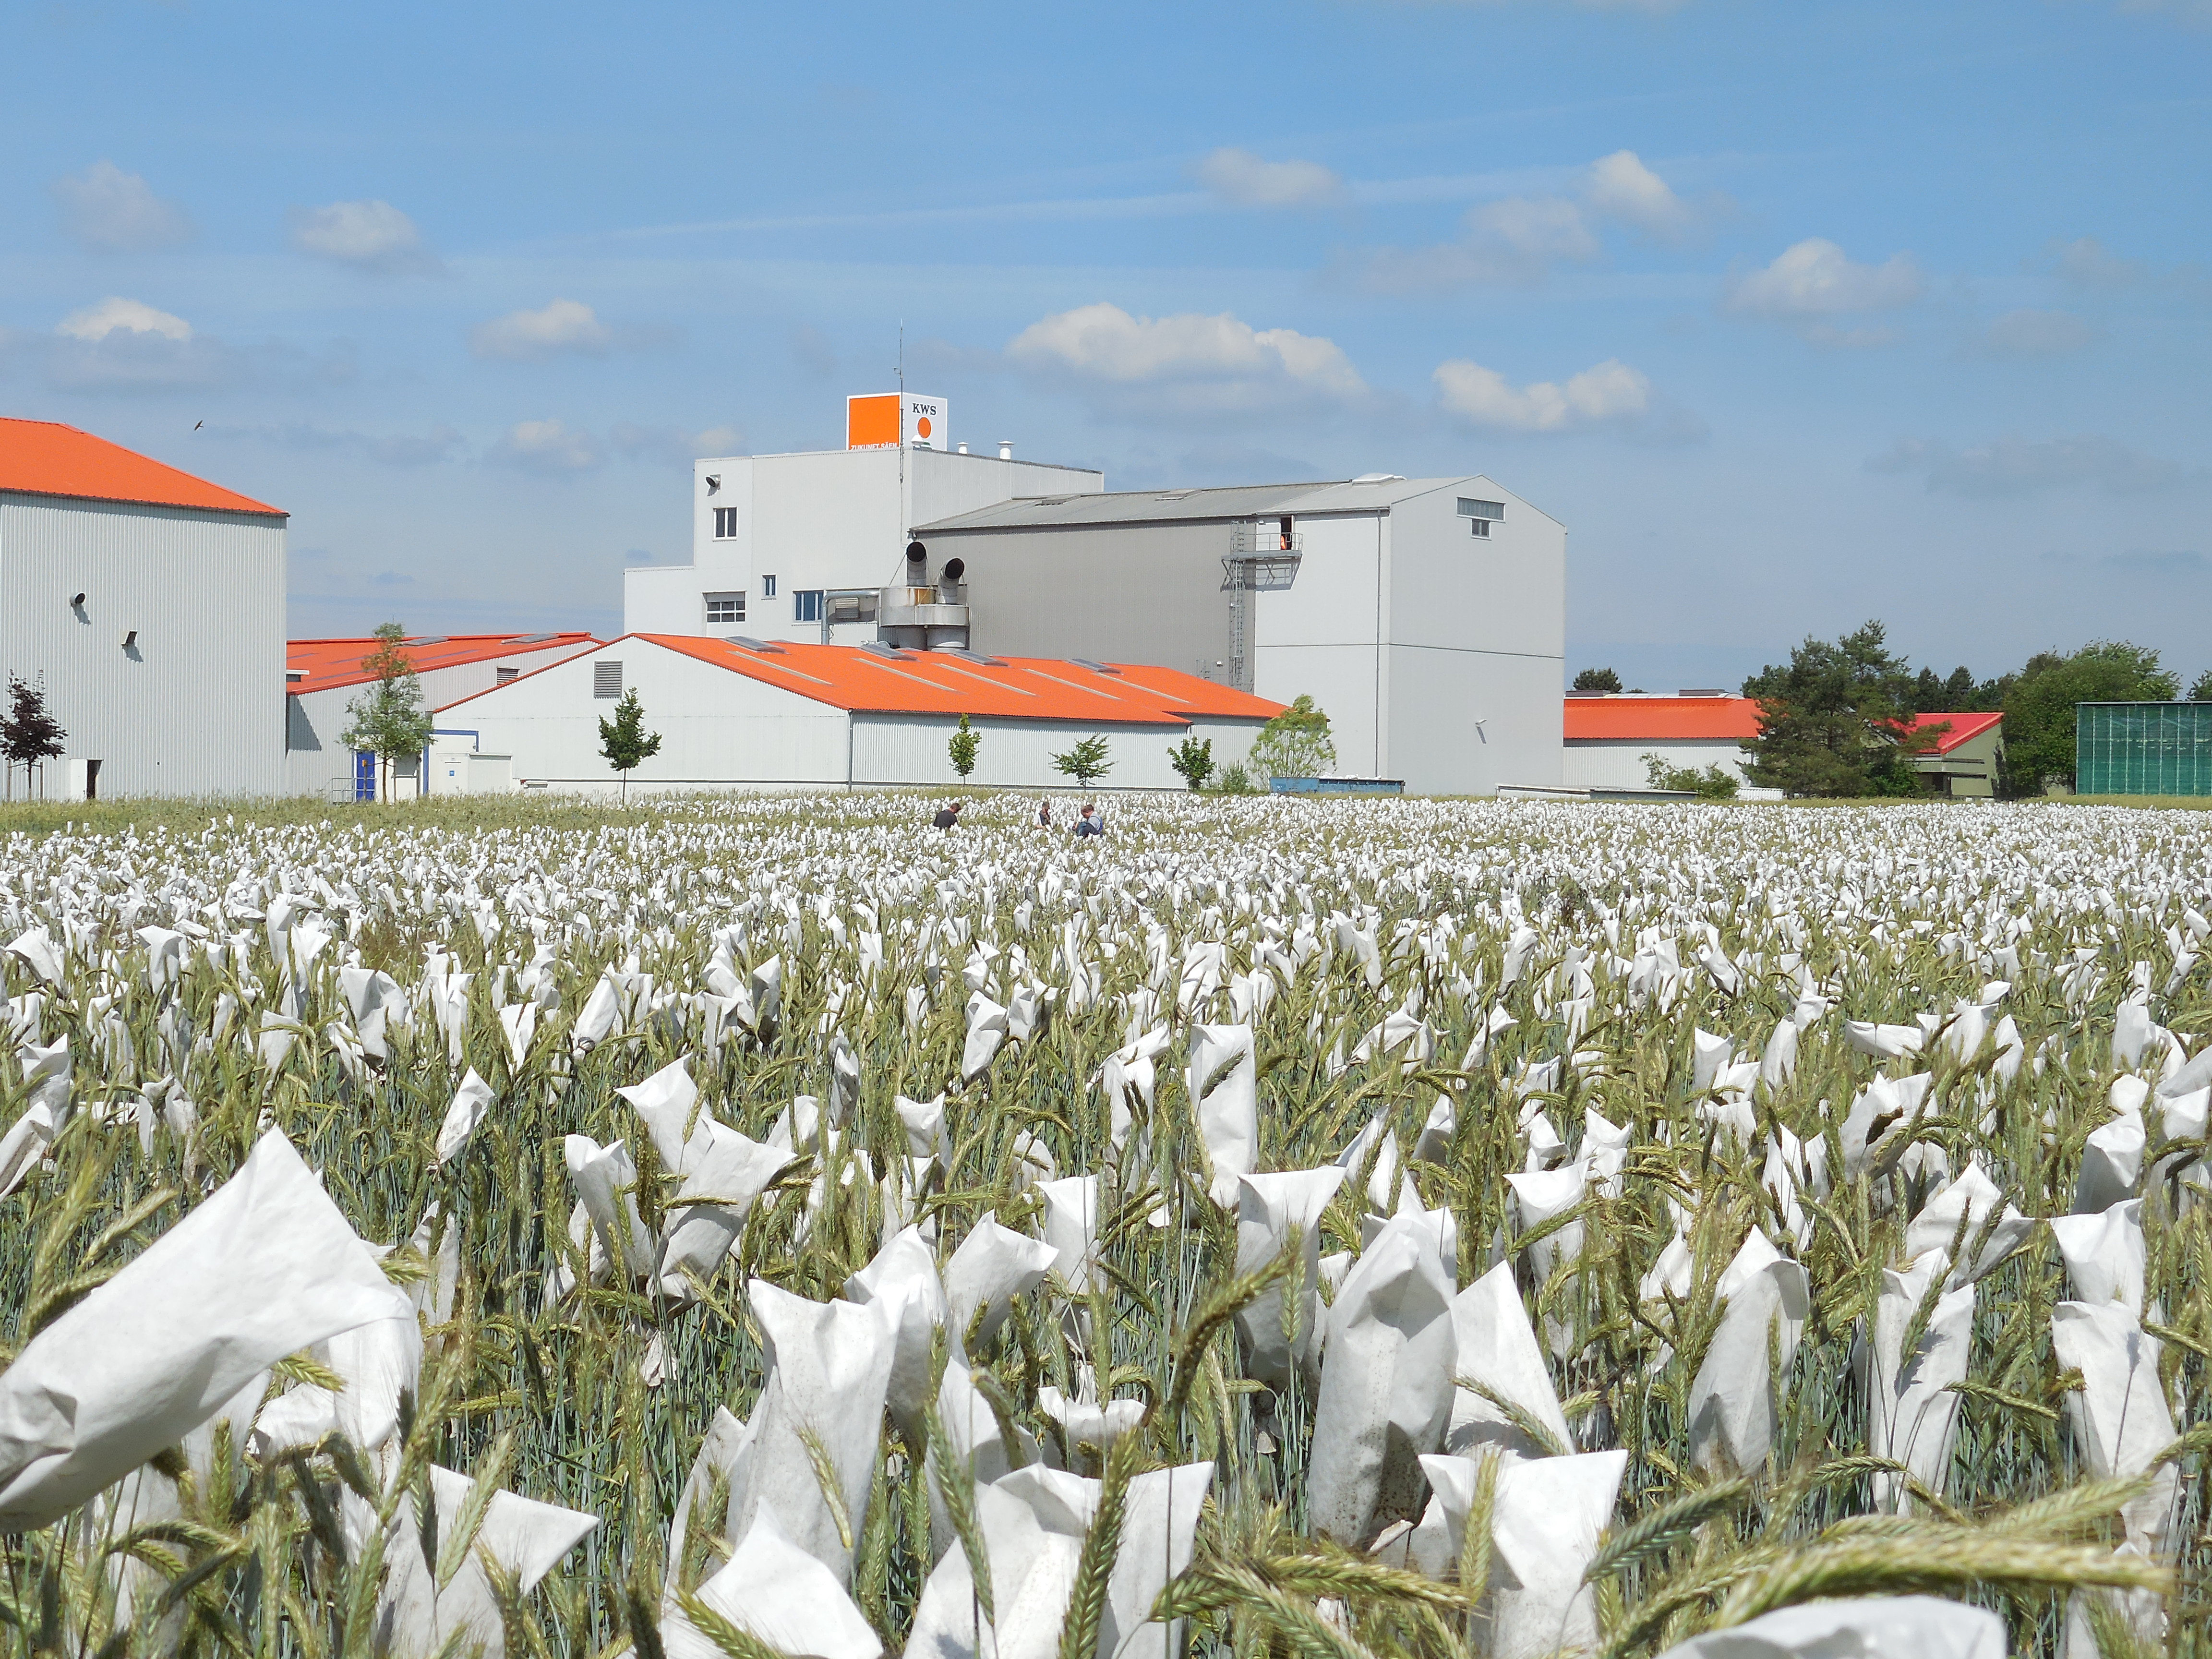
1095, 668
762, 645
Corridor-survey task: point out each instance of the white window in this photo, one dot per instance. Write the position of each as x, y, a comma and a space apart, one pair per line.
1470, 508
1481, 528
724, 608
806, 605
768, 587
725, 524
606, 679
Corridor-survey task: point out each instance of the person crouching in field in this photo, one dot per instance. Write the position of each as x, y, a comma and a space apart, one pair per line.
1089, 824
949, 818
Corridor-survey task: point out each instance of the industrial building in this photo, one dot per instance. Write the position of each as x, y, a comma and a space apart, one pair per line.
1609, 735
149, 605
1427, 617
754, 713
322, 677
2142, 748
803, 546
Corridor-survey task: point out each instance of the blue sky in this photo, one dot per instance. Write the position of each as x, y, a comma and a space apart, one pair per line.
1793, 314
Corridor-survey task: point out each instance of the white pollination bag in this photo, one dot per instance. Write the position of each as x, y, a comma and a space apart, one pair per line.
1268, 1208
416, 1620
1877, 1628
2105, 1255
902, 1284
1732, 1401
774, 1591
1495, 1345
1034, 1522
1912, 1415
1386, 1387
830, 1366
993, 1266
470, 1101
1224, 1083
2119, 1413
265, 1267
1546, 1517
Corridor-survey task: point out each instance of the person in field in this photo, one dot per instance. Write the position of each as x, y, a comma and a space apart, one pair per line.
1091, 823
949, 818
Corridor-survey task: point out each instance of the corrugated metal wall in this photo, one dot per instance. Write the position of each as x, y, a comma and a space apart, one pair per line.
195, 705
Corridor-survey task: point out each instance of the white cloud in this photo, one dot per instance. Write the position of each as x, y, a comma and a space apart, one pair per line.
551, 446
1228, 360
1609, 391
561, 325
1815, 278
1516, 240
2031, 333
2019, 466
1621, 187
1239, 177
113, 315
672, 446
373, 236
108, 210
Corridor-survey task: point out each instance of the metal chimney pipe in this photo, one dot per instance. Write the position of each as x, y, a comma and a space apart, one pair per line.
1006, 449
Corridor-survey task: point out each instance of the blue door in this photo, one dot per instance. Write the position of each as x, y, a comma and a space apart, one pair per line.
364, 774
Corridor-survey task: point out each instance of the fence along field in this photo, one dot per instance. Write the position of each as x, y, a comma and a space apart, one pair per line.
1384, 1227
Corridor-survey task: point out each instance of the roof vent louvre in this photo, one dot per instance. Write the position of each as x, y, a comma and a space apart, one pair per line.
1095, 668
761, 645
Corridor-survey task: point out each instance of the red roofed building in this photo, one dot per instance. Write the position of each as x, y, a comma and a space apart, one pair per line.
1608, 737
321, 677
747, 713
149, 603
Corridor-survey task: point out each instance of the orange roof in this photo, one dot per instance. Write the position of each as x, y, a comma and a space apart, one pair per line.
45, 458
1964, 729
851, 676
324, 663
1661, 719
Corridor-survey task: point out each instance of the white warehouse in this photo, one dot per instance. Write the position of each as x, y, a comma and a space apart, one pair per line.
322, 677
149, 605
758, 714
1427, 617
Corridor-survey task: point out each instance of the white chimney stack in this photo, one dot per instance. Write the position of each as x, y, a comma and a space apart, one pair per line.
1006, 449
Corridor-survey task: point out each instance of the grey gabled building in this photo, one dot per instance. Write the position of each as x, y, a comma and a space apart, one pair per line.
1426, 616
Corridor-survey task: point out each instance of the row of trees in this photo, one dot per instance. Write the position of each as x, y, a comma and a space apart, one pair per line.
1295, 743
1837, 719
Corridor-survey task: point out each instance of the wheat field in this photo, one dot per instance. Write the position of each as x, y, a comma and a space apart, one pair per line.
773, 1226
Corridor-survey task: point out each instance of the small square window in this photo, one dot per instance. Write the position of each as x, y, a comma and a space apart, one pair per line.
501, 675
768, 587
1481, 528
725, 524
806, 605
724, 608
606, 679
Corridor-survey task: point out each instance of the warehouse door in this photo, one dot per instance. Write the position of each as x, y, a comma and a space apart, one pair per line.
364, 774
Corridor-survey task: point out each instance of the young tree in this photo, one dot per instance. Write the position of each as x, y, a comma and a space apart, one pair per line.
624, 741
388, 719
1194, 760
1597, 679
1714, 783
1086, 763
962, 747
1296, 744
1837, 720
28, 732
2038, 729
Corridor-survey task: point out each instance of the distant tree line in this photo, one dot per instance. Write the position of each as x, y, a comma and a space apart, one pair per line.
1837, 720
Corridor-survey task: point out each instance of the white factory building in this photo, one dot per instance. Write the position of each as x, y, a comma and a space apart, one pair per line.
801, 546
1426, 616
761, 714
149, 605
323, 678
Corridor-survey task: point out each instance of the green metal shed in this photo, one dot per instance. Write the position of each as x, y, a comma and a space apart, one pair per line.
2142, 748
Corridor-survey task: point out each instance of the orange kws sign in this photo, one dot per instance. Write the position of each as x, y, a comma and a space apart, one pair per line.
872, 422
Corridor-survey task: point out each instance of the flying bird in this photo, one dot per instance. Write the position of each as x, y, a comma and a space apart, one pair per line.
196, 425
